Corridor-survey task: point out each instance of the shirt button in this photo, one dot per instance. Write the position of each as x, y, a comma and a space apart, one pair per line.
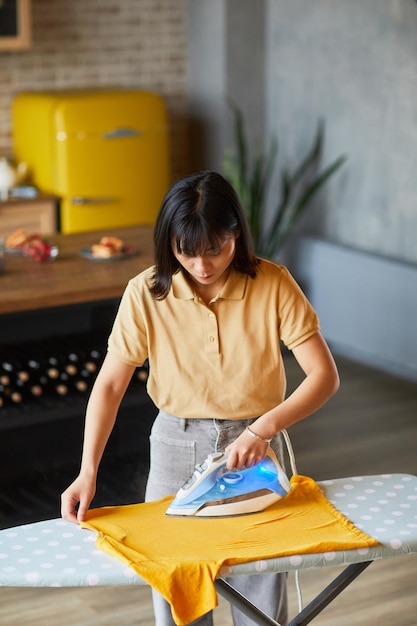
212, 339
211, 315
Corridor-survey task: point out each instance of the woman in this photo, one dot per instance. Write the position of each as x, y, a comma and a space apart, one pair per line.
210, 317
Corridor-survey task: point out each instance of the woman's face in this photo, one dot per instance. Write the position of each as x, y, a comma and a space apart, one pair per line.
210, 268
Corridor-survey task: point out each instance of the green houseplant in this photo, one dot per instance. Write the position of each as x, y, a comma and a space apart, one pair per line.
251, 177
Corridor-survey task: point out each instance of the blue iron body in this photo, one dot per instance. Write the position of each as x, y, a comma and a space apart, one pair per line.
214, 491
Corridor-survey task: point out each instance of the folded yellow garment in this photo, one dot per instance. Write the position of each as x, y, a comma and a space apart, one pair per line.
181, 556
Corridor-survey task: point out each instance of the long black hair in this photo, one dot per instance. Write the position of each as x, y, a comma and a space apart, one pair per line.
197, 211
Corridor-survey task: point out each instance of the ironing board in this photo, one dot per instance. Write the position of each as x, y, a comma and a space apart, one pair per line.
56, 553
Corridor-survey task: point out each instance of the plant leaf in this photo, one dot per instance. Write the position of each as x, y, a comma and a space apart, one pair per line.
251, 179
279, 235
312, 157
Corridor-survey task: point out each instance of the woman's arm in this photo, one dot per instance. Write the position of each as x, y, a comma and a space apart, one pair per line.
320, 383
106, 395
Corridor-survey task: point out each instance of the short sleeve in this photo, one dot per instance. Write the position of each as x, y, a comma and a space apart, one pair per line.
128, 338
297, 318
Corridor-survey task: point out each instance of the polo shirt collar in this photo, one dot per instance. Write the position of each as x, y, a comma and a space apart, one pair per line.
234, 288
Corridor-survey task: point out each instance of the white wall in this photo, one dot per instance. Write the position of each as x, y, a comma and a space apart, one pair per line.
354, 63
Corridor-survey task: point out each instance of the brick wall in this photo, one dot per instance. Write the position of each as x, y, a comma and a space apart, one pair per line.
138, 44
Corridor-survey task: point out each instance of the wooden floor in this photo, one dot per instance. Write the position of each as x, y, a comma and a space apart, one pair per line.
369, 427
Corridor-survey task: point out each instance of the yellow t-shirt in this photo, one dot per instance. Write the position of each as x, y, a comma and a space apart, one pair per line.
181, 557
222, 360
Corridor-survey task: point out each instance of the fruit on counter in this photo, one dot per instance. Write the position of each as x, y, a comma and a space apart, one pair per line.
109, 246
32, 245
39, 250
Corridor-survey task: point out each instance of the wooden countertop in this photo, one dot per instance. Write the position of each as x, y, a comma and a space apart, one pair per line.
71, 279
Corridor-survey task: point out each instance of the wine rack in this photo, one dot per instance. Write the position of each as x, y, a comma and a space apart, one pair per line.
38, 379
46, 377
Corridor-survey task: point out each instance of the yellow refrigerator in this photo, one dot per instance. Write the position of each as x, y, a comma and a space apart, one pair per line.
103, 153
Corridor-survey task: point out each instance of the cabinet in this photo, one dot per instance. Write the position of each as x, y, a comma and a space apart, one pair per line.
44, 309
37, 215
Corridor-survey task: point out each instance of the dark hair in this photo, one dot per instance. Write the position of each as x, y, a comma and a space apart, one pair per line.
196, 211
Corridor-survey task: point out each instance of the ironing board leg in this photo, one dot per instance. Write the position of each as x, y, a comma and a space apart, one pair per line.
329, 593
233, 596
306, 615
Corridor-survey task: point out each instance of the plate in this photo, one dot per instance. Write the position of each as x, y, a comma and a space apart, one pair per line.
125, 254
13, 250
23, 250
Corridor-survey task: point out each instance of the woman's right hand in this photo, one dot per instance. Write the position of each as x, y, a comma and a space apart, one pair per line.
76, 499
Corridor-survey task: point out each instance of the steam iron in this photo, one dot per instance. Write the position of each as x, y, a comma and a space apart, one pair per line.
214, 491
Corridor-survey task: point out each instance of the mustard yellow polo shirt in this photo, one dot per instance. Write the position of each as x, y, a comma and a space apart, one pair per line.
221, 360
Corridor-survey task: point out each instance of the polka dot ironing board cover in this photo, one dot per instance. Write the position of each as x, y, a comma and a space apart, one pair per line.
59, 553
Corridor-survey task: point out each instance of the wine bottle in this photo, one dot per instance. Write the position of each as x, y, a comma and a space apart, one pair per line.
58, 363
14, 367
2, 395
84, 381
38, 362
92, 360
60, 385
34, 382
4, 377
142, 374
83, 354
55, 364
53, 387
10, 396
52, 367
25, 391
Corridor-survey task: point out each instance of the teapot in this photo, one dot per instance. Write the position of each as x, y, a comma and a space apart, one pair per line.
10, 176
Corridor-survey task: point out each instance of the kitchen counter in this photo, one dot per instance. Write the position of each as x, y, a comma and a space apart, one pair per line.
27, 285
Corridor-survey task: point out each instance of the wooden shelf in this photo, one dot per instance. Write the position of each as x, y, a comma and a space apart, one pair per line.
37, 215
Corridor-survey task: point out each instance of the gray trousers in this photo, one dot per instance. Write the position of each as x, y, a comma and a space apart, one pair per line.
177, 445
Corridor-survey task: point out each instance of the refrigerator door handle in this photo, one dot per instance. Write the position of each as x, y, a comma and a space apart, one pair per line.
80, 200
119, 133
